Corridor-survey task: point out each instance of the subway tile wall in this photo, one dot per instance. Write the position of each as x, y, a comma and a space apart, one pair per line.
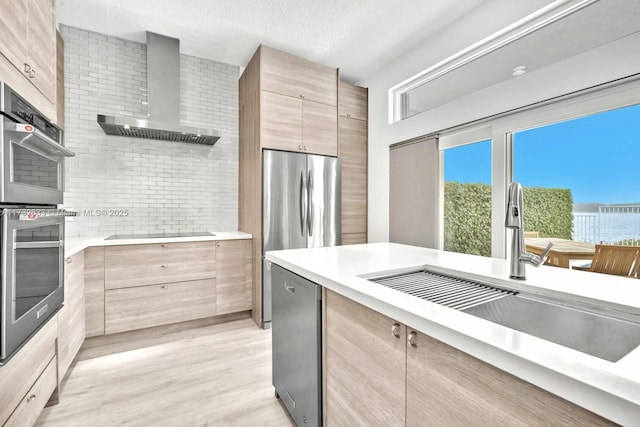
131, 185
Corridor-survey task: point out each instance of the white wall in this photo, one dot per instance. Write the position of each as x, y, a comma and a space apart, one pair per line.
605, 63
163, 186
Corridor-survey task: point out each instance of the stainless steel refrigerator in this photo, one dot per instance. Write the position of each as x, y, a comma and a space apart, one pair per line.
301, 207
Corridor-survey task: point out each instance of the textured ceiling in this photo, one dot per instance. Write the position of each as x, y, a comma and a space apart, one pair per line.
359, 36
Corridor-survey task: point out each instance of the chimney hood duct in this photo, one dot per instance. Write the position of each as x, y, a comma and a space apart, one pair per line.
163, 97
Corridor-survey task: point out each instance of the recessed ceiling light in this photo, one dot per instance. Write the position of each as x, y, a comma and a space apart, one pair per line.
519, 70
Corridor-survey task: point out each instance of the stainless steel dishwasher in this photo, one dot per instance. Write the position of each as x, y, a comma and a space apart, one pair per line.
297, 345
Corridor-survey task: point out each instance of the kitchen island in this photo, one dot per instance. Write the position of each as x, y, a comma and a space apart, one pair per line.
610, 389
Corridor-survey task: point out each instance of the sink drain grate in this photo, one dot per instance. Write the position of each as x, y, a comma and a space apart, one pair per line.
446, 290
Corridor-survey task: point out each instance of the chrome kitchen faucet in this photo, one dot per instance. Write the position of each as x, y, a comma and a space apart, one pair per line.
514, 221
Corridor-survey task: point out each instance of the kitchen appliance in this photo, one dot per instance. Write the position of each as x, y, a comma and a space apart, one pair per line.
301, 207
297, 345
32, 290
163, 100
32, 166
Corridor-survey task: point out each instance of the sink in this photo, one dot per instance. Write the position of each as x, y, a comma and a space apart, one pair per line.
599, 335
589, 330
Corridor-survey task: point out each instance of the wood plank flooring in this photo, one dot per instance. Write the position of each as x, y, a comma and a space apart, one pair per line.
214, 375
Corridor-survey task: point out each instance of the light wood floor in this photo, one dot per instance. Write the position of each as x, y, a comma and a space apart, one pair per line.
217, 375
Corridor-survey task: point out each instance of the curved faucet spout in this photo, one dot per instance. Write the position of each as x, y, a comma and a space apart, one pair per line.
514, 220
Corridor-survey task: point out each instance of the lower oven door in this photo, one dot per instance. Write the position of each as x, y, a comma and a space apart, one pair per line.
32, 165
32, 273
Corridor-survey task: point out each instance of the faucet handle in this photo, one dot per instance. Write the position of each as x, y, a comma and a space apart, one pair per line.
543, 256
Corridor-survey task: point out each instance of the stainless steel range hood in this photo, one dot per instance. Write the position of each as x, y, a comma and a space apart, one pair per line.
163, 97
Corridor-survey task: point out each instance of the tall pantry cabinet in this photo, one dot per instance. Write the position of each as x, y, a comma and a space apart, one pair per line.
291, 104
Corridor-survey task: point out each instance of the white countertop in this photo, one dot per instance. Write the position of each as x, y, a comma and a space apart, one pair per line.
74, 245
609, 389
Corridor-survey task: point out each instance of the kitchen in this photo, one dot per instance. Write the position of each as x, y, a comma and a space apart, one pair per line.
128, 187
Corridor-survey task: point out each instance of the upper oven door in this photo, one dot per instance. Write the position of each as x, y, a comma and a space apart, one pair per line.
32, 272
32, 165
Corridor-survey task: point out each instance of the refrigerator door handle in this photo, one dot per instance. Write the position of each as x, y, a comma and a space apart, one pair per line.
310, 196
303, 203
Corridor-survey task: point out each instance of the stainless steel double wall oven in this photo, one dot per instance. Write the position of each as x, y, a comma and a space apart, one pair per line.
31, 226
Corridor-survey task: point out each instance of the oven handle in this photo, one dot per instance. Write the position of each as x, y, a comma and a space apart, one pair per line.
38, 245
41, 140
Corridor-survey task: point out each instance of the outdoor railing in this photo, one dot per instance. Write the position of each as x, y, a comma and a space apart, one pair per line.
613, 225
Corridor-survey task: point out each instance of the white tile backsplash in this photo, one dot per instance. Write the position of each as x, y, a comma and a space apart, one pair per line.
124, 185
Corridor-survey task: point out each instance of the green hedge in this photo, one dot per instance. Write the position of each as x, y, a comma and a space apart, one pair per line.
467, 215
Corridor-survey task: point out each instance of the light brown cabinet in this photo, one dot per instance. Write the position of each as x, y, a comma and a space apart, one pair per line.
233, 276
140, 307
129, 266
18, 376
353, 102
293, 76
286, 103
401, 371
36, 398
28, 42
94, 291
365, 365
130, 287
59, 80
352, 149
71, 322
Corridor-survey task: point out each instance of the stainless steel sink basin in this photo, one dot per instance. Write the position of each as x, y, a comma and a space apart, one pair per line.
589, 330
593, 333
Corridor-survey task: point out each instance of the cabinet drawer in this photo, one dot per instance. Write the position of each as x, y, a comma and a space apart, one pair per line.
36, 398
147, 306
139, 265
22, 371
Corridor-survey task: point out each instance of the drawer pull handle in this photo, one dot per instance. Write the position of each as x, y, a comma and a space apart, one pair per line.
218, 244
165, 266
164, 286
31, 398
68, 260
32, 73
164, 245
27, 68
412, 339
395, 330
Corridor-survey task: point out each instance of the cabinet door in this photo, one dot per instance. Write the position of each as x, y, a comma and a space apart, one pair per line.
138, 265
27, 412
71, 326
13, 28
352, 101
293, 76
22, 371
280, 122
94, 291
449, 387
354, 238
353, 152
42, 46
319, 128
146, 306
365, 365
233, 284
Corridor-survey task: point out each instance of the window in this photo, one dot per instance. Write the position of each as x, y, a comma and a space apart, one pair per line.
582, 177
467, 198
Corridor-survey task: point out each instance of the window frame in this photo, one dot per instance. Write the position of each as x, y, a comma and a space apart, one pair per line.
500, 131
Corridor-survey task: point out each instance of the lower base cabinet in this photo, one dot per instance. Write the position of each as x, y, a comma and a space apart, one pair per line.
130, 287
146, 306
408, 378
36, 398
30, 372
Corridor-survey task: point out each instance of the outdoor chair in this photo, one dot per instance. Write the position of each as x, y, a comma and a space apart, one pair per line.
614, 259
531, 234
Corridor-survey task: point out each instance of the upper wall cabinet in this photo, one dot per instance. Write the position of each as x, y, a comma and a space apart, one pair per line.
28, 47
292, 76
298, 102
353, 102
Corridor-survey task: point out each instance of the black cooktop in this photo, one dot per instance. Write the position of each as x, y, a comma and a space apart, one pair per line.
160, 235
